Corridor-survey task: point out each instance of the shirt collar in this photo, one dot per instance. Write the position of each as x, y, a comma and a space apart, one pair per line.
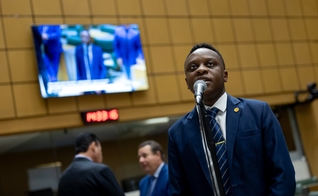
82, 156
156, 174
220, 103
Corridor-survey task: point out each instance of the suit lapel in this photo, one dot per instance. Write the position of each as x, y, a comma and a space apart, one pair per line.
192, 125
81, 54
160, 180
232, 120
145, 188
233, 113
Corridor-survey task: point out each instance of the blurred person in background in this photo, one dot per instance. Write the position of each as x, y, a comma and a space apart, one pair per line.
151, 159
86, 175
89, 59
52, 49
127, 48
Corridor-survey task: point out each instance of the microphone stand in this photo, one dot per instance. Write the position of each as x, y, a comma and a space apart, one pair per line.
209, 148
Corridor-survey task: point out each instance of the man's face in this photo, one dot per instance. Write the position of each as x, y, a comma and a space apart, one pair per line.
205, 64
148, 161
85, 37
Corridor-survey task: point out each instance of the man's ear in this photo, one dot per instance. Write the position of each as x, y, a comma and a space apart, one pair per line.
158, 153
225, 75
92, 146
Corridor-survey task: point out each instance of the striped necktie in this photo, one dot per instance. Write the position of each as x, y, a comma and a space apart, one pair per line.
220, 148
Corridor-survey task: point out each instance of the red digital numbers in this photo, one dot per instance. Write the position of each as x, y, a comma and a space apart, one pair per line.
100, 116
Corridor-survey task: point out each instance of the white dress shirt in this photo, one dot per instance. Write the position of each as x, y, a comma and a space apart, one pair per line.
221, 115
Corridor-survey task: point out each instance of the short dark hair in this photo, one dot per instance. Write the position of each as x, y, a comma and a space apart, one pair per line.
208, 46
154, 146
83, 140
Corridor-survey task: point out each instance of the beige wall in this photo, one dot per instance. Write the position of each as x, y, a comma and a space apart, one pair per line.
269, 48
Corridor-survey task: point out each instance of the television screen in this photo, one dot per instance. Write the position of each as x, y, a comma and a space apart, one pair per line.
75, 60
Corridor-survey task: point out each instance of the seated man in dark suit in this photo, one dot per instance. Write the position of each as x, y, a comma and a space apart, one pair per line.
89, 59
86, 175
151, 159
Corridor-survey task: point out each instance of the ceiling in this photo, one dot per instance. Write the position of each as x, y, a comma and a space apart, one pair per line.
65, 137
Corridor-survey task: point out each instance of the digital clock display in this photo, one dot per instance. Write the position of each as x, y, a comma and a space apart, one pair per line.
99, 116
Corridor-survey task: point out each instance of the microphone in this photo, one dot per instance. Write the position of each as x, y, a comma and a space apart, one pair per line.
199, 88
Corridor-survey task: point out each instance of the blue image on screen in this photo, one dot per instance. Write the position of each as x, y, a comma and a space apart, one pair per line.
75, 60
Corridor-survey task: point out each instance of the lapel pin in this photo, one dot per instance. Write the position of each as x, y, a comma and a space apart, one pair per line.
236, 109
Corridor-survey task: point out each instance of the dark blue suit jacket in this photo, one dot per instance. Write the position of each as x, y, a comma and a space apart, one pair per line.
162, 186
98, 69
53, 43
258, 158
84, 177
52, 50
127, 45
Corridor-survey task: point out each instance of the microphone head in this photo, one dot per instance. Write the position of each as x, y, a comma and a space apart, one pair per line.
199, 85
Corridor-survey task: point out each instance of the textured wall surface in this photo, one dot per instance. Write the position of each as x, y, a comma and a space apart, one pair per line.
270, 50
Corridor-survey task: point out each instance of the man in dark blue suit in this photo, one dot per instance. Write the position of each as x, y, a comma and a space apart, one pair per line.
86, 175
89, 59
151, 159
52, 48
127, 48
258, 160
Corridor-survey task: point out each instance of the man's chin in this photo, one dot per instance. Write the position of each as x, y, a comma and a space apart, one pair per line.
146, 170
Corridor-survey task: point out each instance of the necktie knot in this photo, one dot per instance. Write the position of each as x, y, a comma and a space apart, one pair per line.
213, 112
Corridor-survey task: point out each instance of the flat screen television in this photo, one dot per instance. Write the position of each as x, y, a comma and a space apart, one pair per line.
80, 59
